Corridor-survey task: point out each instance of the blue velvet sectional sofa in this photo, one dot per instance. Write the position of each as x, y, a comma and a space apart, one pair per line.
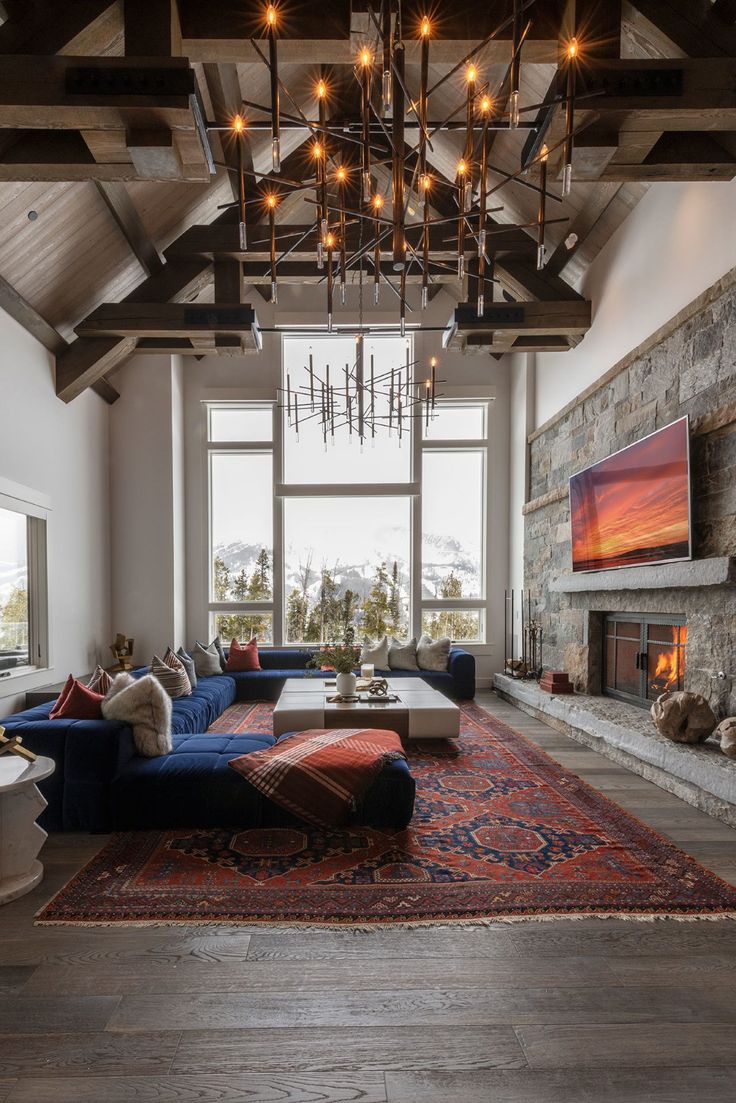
457, 681
102, 784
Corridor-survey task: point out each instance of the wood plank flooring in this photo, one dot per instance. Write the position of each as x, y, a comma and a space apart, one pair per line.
560, 1012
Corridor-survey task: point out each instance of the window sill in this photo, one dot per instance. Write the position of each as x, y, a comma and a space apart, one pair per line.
24, 679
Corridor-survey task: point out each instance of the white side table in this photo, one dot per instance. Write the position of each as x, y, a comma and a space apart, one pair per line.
20, 836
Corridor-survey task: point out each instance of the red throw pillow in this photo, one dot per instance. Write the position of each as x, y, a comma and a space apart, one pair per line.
59, 702
243, 657
76, 702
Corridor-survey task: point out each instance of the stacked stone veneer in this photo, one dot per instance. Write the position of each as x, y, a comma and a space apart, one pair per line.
688, 367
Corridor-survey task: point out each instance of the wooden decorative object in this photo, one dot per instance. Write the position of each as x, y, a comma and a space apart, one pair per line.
14, 745
122, 650
726, 732
378, 687
683, 717
556, 681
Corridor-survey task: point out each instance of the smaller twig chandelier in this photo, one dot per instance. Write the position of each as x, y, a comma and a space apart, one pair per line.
360, 400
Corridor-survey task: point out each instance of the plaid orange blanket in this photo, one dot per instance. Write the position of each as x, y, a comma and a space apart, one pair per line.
320, 774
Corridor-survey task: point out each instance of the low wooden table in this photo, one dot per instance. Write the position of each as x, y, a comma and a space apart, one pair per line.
20, 836
420, 713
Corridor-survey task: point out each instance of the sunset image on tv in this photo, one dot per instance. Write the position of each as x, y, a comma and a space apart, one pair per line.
633, 507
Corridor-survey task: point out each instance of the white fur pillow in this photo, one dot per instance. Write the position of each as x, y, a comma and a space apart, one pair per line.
146, 706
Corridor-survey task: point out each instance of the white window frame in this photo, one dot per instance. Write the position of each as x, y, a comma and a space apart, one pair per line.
36, 508
240, 447
453, 444
411, 489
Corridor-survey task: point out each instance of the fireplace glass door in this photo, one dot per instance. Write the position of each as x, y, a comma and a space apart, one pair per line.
643, 656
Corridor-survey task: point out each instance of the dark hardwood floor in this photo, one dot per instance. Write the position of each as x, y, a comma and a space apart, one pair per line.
558, 1012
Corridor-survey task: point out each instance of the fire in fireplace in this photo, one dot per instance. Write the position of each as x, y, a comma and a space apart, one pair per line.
643, 655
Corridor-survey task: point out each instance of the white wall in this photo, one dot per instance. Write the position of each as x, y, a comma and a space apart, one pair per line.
675, 244
61, 451
147, 499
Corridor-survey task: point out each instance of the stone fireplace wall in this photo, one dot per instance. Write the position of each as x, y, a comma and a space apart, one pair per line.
687, 367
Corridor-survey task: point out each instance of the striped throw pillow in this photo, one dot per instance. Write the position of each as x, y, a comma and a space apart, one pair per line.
100, 681
174, 679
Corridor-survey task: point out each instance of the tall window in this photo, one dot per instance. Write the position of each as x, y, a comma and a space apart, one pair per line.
312, 542
240, 457
346, 511
23, 604
454, 464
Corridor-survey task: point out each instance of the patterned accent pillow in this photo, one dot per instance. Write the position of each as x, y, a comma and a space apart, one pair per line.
403, 656
188, 664
100, 681
376, 653
172, 678
206, 660
433, 654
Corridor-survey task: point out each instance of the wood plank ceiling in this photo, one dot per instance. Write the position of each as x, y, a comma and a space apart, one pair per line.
76, 232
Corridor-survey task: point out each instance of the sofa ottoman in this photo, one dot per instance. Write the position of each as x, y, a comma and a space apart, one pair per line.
194, 786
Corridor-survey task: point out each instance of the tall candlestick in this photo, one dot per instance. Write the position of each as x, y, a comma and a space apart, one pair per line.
572, 57
275, 106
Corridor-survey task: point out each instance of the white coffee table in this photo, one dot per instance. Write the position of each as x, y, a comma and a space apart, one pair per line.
20, 836
420, 713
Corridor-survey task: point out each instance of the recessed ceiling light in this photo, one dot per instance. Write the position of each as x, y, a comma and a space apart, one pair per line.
571, 241
32, 216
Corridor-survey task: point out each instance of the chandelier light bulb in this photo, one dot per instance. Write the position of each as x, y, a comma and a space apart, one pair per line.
238, 124
486, 104
462, 168
276, 154
321, 90
365, 57
271, 15
341, 174
543, 154
471, 74
316, 151
330, 241
378, 202
426, 27
572, 49
514, 109
426, 181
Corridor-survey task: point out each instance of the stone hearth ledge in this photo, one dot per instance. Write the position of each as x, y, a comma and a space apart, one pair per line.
701, 775
718, 571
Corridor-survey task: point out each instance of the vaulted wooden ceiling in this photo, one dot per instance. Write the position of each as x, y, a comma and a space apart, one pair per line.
101, 203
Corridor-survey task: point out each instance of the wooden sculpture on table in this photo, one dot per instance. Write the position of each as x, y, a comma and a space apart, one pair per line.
14, 745
122, 649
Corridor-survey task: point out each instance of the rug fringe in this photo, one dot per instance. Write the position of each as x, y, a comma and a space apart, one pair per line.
400, 925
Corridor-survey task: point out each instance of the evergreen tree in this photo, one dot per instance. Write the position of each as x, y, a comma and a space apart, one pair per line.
259, 587
328, 605
221, 579
297, 612
240, 586
376, 613
456, 624
15, 616
396, 626
348, 615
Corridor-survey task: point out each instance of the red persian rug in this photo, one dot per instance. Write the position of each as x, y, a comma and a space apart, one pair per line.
500, 831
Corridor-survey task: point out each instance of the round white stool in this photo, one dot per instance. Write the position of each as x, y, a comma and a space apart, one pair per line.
20, 836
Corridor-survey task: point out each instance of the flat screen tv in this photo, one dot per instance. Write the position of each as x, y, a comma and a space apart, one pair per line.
634, 507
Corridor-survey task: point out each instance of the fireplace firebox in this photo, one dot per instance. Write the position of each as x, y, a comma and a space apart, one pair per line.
643, 655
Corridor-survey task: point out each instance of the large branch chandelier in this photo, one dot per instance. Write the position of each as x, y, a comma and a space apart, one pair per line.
357, 228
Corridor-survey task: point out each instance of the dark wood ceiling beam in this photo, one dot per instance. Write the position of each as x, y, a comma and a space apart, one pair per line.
51, 27
527, 283
692, 25
501, 323
89, 358
125, 213
581, 225
151, 28
13, 303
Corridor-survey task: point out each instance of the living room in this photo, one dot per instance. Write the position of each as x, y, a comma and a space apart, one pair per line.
367, 529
